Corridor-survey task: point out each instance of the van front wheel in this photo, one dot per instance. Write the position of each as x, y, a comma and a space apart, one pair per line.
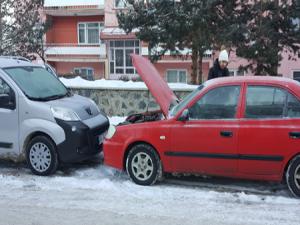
41, 156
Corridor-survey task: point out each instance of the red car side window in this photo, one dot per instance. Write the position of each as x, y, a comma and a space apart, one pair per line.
219, 103
265, 102
293, 107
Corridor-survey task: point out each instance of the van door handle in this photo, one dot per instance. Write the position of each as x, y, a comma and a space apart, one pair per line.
226, 133
295, 135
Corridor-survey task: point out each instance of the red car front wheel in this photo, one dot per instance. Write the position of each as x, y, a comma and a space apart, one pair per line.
143, 165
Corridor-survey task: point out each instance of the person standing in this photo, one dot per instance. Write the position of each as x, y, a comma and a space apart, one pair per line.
220, 66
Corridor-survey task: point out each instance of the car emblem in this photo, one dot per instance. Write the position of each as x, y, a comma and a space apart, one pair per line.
89, 111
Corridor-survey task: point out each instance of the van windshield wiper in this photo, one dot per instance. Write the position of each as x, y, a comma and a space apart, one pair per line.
54, 97
49, 98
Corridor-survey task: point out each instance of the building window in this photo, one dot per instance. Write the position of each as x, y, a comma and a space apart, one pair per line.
85, 73
176, 76
89, 33
236, 72
296, 75
119, 56
121, 3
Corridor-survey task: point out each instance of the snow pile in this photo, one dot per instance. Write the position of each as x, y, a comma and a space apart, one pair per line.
76, 50
116, 31
115, 120
53, 3
78, 82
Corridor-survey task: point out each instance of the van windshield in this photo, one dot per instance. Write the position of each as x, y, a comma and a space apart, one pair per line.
37, 83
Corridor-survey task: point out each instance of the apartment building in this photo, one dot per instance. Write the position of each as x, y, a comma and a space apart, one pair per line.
85, 40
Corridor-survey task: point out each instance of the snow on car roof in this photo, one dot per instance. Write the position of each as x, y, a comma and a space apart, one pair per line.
258, 79
53, 3
4, 63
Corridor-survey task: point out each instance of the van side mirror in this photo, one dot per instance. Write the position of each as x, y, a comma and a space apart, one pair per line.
4, 100
7, 102
185, 115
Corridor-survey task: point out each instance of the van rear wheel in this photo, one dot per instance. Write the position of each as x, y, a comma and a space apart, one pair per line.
41, 156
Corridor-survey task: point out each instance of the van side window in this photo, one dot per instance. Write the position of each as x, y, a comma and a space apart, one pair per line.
4, 88
7, 96
265, 102
219, 103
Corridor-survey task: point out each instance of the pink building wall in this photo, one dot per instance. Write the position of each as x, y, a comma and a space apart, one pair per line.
69, 25
286, 68
168, 62
67, 68
64, 29
163, 67
110, 14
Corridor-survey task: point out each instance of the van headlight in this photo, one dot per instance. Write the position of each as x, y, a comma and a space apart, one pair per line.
64, 114
111, 131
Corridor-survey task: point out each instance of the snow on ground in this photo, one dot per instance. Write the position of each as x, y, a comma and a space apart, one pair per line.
95, 194
78, 82
92, 193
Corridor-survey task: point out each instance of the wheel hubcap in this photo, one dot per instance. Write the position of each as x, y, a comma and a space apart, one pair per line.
142, 166
297, 177
40, 157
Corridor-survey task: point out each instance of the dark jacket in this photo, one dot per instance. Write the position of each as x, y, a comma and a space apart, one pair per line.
216, 71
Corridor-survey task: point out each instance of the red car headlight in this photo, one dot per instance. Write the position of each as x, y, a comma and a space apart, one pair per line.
111, 132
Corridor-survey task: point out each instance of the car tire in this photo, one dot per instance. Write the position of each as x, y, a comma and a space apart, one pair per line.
293, 176
41, 156
143, 165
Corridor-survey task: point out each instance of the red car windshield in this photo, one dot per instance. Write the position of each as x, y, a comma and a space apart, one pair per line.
176, 108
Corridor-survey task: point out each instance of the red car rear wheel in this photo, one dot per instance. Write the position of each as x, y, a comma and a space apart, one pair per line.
293, 176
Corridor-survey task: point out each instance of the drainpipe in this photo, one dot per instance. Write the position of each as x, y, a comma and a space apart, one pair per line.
106, 74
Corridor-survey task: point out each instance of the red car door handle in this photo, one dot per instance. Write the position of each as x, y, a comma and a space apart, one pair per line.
294, 134
226, 133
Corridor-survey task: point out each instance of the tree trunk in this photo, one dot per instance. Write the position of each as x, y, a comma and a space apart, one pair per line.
276, 44
259, 71
195, 66
200, 77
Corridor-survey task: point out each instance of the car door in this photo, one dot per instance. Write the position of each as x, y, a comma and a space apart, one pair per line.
207, 142
264, 131
9, 121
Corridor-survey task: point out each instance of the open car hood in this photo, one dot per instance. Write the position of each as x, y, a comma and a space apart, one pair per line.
155, 83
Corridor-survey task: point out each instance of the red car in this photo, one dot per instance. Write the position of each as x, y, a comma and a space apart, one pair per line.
240, 127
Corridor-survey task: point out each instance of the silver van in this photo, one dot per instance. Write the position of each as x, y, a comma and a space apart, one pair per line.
42, 122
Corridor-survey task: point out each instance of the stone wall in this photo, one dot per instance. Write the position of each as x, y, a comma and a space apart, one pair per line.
117, 102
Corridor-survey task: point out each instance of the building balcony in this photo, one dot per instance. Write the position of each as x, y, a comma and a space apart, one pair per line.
68, 52
74, 8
